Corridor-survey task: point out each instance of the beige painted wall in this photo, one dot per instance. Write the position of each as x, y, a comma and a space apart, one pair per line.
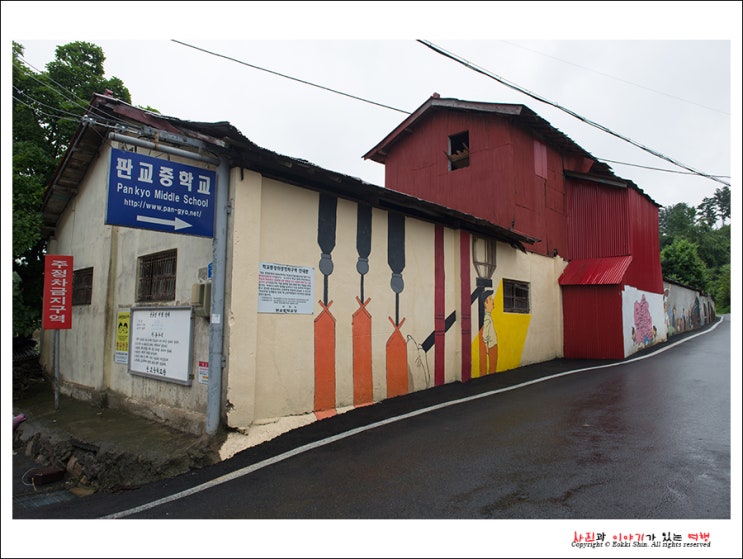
87, 349
270, 371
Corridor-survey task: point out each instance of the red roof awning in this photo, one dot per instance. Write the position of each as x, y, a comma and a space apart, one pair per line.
596, 271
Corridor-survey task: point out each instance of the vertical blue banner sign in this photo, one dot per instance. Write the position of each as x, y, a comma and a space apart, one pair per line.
150, 193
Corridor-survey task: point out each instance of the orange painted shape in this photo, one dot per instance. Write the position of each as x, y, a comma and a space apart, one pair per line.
324, 362
362, 355
325, 414
483, 355
492, 359
397, 363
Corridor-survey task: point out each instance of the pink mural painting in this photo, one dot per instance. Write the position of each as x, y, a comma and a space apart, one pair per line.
643, 331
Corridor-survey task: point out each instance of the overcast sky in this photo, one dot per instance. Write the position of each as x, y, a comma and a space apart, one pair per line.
664, 75
672, 96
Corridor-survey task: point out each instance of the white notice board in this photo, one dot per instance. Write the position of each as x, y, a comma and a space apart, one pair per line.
160, 343
285, 289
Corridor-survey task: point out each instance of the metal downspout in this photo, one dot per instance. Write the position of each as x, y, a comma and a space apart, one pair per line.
219, 256
216, 323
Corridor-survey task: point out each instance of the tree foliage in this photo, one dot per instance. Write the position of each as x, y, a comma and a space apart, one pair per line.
695, 245
681, 263
675, 221
47, 107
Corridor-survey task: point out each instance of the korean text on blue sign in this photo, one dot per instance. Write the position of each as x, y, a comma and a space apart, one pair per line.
161, 195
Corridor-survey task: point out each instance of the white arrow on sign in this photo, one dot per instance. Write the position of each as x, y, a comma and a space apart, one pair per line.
176, 223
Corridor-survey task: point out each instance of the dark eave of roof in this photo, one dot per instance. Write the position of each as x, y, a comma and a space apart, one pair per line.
307, 175
106, 113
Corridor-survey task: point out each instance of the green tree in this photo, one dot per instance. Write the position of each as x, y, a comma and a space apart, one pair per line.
720, 287
47, 107
715, 207
678, 220
695, 251
707, 213
681, 263
722, 197
713, 246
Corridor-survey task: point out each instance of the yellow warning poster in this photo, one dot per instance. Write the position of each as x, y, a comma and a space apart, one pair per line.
122, 337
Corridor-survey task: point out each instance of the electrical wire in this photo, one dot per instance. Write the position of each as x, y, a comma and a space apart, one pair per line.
292, 78
59, 90
541, 99
657, 169
62, 112
618, 79
39, 111
68, 95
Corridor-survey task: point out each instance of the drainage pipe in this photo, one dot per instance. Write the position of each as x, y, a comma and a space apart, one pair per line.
216, 322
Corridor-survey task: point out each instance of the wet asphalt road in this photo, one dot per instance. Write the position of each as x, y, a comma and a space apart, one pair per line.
644, 439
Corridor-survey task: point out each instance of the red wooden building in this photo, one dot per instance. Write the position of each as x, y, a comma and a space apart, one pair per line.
505, 164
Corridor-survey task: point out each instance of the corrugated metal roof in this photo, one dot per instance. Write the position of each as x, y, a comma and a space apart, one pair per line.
596, 271
229, 142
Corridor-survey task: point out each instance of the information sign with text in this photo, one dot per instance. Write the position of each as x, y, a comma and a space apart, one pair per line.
285, 289
57, 302
151, 193
160, 343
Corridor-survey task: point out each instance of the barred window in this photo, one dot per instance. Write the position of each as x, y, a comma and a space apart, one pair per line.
515, 296
156, 276
82, 286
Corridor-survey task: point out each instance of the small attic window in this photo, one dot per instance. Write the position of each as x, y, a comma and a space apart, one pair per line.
459, 151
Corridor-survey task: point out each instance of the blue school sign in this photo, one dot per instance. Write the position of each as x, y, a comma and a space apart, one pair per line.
150, 193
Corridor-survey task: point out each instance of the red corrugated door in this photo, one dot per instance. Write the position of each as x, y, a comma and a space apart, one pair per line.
592, 316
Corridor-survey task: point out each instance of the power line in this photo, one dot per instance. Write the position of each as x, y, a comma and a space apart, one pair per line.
66, 94
39, 111
62, 112
656, 168
79, 102
618, 79
291, 78
471, 66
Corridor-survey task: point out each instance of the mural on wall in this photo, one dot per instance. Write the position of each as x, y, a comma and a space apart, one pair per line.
361, 323
325, 321
685, 309
485, 353
643, 332
397, 355
488, 338
361, 320
509, 329
643, 319
418, 353
498, 339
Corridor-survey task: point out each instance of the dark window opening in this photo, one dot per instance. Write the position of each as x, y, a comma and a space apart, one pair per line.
82, 286
515, 296
459, 151
156, 276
